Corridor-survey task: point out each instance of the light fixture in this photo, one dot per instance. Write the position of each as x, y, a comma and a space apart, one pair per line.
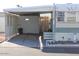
26, 19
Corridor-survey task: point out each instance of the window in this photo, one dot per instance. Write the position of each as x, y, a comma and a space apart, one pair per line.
71, 16
60, 16
26, 19
71, 12
71, 19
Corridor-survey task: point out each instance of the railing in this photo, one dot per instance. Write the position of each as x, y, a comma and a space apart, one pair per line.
61, 36
47, 35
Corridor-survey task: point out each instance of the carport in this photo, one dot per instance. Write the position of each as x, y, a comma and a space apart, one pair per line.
27, 18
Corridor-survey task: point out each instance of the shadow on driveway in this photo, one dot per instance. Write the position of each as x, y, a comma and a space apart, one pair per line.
70, 50
31, 41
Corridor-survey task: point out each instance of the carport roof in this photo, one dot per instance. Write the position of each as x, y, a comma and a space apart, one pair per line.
47, 8
34, 9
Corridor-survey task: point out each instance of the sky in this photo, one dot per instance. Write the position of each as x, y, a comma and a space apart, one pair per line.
26, 3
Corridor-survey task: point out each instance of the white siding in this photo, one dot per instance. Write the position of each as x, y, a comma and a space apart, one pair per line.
77, 16
2, 24
67, 36
67, 25
71, 20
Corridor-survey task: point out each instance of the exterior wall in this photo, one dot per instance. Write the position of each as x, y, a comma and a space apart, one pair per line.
70, 14
68, 25
77, 16
61, 36
67, 30
13, 22
2, 22
29, 26
64, 37
10, 25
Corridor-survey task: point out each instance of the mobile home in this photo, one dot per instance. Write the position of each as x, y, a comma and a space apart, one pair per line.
63, 25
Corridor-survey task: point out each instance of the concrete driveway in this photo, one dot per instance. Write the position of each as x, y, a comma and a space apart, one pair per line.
25, 47
12, 49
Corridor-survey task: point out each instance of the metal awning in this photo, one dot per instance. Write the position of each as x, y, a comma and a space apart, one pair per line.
28, 10
46, 8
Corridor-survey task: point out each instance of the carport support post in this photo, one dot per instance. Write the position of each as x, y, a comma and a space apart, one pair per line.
54, 21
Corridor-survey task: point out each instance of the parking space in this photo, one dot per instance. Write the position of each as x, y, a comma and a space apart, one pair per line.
28, 45
12, 49
29, 40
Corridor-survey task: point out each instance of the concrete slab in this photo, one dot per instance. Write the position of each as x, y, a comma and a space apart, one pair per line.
12, 49
25, 47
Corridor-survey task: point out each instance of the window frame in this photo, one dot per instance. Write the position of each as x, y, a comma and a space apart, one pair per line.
60, 14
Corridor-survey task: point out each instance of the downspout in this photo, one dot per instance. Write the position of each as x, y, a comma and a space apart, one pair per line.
54, 21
